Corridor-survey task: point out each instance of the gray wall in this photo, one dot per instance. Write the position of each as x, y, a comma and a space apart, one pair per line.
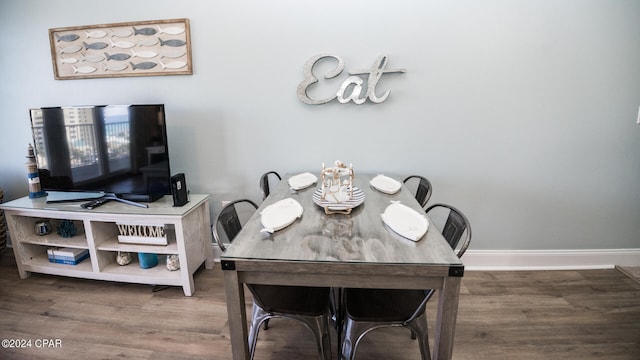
522, 113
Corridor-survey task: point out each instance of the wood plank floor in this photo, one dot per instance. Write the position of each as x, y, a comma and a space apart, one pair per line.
631, 271
589, 314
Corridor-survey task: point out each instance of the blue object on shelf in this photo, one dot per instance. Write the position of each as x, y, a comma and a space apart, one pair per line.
67, 229
147, 260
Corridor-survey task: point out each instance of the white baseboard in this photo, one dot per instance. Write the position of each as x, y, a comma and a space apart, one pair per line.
550, 259
491, 260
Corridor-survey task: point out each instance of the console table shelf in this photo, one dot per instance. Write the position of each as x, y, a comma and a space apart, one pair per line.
113, 245
187, 229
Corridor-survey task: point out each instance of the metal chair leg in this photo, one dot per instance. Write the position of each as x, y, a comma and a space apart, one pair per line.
354, 331
257, 318
319, 325
420, 328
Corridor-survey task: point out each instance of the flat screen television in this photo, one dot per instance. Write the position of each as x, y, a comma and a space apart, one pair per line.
85, 152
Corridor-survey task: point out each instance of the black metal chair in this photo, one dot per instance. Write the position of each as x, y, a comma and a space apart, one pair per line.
365, 310
309, 305
422, 187
266, 180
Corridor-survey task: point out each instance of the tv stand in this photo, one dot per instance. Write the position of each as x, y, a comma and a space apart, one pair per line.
188, 230
147, 198
110, 197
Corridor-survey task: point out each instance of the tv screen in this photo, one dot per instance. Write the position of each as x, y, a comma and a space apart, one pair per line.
113, 149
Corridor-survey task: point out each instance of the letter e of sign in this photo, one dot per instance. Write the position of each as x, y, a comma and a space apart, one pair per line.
310, 79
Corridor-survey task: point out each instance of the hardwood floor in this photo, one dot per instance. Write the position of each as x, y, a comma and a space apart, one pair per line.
631, 271
588, 314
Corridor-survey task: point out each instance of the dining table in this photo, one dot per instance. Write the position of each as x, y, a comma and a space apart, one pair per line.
356, 250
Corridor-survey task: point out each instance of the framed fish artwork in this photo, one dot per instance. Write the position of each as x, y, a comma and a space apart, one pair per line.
142, 48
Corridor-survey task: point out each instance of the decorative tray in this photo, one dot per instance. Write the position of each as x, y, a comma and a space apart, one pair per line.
331, 205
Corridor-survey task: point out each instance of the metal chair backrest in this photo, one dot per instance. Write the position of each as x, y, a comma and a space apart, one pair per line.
454, 228
265, 183
424, 189
229, 221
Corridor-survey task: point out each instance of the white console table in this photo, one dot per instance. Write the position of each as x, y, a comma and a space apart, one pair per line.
187, 227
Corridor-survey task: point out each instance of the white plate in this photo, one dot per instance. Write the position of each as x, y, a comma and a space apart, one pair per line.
386, 184
302, 181
405, 221
279, 215
332, 204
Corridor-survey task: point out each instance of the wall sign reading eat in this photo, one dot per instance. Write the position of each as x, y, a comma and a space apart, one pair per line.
351, 88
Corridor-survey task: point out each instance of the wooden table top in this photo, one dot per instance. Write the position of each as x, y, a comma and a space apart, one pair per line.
360, 237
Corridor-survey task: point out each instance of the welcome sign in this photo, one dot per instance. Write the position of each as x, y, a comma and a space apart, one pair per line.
142, 234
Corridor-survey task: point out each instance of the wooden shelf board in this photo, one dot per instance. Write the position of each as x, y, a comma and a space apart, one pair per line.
113, 245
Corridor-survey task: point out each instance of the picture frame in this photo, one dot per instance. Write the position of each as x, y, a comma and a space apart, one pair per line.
142, 48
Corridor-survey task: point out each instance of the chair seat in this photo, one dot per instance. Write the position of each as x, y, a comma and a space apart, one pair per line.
388, 305
297, 300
